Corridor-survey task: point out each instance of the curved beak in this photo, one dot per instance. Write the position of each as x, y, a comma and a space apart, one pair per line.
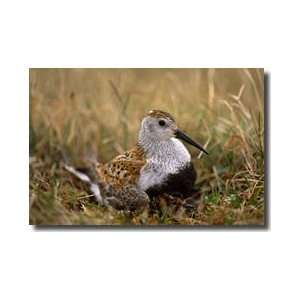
181, 135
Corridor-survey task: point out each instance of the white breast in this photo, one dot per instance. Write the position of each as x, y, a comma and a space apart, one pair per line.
166, 158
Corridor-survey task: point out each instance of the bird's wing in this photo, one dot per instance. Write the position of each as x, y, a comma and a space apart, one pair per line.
136, 153
121, 172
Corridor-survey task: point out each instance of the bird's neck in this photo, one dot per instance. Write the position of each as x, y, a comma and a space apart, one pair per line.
170, 151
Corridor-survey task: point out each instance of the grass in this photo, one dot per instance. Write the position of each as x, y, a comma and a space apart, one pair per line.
96, 113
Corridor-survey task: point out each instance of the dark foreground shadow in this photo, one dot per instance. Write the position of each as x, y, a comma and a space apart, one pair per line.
267, 154
264, 227
77, 228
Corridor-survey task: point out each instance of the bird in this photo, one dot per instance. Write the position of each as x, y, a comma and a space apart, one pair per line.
158, 164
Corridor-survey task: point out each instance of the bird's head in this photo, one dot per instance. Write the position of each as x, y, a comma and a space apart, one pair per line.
158, 126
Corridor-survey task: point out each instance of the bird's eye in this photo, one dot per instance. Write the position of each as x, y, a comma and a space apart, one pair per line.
161, 122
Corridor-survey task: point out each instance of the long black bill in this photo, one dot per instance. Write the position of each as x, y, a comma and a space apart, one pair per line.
181, 135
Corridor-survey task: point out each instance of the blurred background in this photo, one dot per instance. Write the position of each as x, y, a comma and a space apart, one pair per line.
97, 112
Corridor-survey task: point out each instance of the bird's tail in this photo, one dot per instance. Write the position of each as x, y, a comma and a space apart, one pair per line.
86, 178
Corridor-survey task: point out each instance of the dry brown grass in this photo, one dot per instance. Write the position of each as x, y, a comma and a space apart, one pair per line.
97, 112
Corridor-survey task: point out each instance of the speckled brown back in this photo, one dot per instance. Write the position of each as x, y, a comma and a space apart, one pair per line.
124, 169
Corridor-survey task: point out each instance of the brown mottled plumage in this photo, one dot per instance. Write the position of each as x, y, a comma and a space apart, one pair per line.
160, 114
123, 169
